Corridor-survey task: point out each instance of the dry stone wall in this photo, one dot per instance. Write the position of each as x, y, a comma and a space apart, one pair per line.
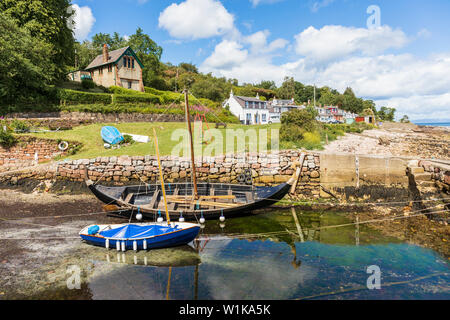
28, 151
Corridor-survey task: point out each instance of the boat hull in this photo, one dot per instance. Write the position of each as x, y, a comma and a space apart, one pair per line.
172, 239
262, 197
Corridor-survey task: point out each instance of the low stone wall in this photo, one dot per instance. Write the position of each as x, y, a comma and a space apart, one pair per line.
267, 169
323, 175
28, 151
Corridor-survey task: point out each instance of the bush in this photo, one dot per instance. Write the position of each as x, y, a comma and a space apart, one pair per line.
84, 97
127, 139
20, 126
7, 139
120, 90
87, 84
138, 98
295, 123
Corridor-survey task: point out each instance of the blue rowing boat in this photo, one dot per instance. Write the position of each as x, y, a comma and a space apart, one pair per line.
111, 135
143, 236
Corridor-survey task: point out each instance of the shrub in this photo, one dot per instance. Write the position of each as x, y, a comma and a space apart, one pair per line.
87, 84
120, 90
20, 126
7, 139
138, 98
127, 139
84, 97
295, 123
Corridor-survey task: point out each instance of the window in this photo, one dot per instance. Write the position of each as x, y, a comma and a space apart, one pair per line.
129, 62
263, 116
132, 63
100, 71
125, 63
129, 84
110, 68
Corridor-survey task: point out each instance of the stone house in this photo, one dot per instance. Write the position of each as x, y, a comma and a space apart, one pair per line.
249, 110
119, 67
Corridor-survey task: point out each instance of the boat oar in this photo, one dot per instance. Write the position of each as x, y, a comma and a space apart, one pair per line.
161, 176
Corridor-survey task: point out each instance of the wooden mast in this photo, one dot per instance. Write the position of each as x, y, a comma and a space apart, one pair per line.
161, 176
188, 121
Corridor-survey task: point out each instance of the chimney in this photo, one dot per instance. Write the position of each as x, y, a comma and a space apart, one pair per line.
105, 53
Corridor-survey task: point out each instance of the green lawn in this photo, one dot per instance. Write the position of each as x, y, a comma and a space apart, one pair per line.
89, 136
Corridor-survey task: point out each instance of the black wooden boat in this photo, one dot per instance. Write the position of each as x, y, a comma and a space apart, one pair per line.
213, 201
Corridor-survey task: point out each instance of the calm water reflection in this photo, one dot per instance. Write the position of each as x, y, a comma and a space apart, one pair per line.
294, 259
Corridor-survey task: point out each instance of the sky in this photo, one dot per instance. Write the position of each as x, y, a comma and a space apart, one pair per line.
396, 53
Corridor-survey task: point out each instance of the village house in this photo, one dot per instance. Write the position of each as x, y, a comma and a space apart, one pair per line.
278, 106
249, 110
119, 67
333, 114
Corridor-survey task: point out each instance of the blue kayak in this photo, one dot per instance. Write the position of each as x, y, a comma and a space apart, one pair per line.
141, 236
111, 135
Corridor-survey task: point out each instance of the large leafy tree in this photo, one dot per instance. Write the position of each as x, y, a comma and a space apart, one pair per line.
287, 89
48, 21
27, 67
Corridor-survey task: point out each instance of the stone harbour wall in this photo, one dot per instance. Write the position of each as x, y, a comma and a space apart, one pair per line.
266, 169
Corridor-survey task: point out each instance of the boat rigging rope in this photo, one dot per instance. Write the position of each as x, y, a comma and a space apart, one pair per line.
244, 235
385, 284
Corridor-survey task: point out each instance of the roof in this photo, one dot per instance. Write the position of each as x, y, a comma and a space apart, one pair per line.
241, 100
113, 56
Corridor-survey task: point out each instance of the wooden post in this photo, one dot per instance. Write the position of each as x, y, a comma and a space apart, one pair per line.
298, 173
188, 121
161, 176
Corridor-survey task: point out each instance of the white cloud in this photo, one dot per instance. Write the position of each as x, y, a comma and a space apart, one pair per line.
417, 87
333, 41
82, 20
258, 42
317, 5
226, 55
257, 2
248, 58
196, 19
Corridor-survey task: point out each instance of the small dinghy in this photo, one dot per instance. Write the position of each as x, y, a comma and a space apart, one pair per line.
143, 236
111, 135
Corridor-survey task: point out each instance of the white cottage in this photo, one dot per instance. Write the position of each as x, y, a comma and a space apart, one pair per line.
249, 110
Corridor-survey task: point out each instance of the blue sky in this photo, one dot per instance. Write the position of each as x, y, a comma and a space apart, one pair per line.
403, 62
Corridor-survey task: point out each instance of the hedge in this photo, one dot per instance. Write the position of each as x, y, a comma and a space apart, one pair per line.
84, 97
138, 98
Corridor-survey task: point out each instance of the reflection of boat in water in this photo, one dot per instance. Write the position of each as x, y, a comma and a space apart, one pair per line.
182, 256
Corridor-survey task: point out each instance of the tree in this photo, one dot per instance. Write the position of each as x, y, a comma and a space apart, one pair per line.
27, 68
148, 52
188, 67
48, 21
287, 89
404, 119
386, 114
267, 84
